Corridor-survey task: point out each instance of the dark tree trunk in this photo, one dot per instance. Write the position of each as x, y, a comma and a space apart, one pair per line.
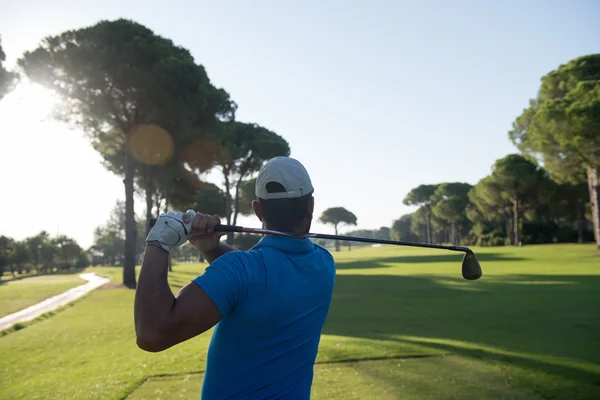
594, 189
236, 201
517, 233
580, 210
453, 233
170, 263
429, 238
157, 203
509, 229
228, 205
243, 170
129, 279
149, 206
337, 242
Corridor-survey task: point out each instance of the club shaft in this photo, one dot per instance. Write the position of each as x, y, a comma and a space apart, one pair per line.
240, 229
260, 231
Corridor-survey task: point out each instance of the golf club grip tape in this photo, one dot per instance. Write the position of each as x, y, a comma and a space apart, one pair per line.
228, 228
218, 228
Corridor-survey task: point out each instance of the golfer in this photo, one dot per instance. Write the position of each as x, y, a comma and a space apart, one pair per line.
268, 305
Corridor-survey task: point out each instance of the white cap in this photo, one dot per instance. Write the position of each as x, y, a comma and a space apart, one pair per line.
289, 173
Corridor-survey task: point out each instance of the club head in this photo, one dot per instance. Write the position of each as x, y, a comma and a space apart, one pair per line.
471, 270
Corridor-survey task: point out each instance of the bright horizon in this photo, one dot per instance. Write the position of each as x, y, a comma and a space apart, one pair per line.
373, 99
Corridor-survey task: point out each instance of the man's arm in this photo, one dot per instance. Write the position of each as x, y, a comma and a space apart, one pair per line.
206, 240
161, 319
217, 252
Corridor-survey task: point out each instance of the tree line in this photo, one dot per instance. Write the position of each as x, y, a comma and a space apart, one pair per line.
41, 253
518, 203
548, 193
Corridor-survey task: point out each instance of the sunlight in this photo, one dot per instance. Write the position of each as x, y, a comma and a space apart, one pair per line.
29, 101
44, 158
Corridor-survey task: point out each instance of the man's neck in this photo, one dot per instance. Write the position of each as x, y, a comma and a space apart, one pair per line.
295, 230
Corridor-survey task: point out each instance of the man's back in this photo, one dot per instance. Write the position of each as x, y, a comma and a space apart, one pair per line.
274, 300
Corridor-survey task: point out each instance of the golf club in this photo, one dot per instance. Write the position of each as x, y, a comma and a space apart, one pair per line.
471, 270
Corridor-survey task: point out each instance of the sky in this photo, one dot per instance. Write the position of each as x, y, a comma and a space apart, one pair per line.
374, 98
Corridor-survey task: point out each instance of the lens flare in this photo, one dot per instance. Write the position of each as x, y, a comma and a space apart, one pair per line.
151, 145
202, 154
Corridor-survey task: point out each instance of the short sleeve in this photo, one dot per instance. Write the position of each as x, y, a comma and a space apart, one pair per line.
224, 281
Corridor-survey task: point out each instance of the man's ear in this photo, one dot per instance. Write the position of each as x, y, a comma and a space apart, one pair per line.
311, 207
257, 210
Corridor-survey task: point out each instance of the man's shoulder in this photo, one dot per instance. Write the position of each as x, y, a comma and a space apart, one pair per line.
259, 254
324, 251
241, 257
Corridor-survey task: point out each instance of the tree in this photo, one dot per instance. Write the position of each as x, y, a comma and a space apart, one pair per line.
8, 79
245, 241
109, 239
401, 229
116, 76
245, 197
573, 197
108, 245
383, 233
41, 250
68, 251
48, 254
490, 212
336, 216
422, 196
187, 252
7, 249
20, 258
419, 223
181, 192
241, 152
209, 200
246, 147
520, 181
561, 125
13, 255
451, 200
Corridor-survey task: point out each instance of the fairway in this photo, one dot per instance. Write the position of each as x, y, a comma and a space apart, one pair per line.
18, 294
403, 324
447, 377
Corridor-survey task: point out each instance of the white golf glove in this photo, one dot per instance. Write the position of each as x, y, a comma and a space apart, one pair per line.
171, 229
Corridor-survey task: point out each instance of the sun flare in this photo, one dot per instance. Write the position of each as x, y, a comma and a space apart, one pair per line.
28, 102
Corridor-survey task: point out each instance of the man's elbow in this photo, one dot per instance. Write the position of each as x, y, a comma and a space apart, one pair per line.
150, 342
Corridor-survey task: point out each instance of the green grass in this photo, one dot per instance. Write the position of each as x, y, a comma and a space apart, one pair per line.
445, 378
18, 294
529, 328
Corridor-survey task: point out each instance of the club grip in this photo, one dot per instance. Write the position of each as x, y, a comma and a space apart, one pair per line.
218, 228
228, 228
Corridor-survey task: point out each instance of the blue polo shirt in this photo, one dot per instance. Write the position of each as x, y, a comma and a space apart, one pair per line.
274, 300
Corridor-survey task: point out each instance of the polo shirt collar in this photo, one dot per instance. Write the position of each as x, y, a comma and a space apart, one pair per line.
286, 244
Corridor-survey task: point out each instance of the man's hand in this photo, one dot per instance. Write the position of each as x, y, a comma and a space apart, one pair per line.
203, 235
171, 229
